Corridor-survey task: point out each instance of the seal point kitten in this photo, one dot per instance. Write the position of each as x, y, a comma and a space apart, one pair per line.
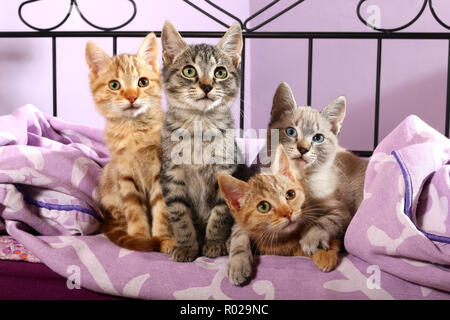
329, 172
127, 92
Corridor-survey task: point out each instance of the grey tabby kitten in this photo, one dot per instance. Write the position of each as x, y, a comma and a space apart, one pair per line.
201, 82
310, 139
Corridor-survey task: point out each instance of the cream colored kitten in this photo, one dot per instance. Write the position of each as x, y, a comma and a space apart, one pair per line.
329, 171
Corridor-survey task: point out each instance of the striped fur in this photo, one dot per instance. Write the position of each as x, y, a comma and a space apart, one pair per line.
329, 172
278, 231
129, 191
199, 217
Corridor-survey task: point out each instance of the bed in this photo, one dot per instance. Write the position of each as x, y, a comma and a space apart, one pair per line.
397, 244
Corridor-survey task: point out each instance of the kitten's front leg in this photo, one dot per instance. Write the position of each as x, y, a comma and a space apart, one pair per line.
332, 224
314, 239
326, 260
134, 204
240, 262
218, 229
179, 213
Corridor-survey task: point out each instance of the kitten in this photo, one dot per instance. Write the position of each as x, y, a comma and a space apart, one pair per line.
127, 92
329, 171
201, 82
271, 210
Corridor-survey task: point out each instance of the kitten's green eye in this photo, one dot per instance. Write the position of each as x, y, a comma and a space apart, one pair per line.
189, 72
318, 138
263, 207
291, 132
220, 73
143, 82
290, 194
114, 85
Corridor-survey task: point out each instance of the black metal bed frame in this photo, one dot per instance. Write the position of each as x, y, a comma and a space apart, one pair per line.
379, 34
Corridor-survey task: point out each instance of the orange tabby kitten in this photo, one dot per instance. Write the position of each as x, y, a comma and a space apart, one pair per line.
127, 92
273, 211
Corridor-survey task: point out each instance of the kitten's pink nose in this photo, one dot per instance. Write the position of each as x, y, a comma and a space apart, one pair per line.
287, 214
132, 99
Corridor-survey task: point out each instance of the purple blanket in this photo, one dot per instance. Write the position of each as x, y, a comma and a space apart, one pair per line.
403, 224
48, 176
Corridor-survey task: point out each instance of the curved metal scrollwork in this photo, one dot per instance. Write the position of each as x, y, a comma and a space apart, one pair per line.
422, 9
244, 24
72, 4
296, 3
433, 12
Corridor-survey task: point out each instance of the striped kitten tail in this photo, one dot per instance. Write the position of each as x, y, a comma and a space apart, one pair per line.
116, 232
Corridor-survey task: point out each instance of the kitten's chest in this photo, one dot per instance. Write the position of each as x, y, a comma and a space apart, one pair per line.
202, 180
202, 142
128, 138
137, 156
322, 184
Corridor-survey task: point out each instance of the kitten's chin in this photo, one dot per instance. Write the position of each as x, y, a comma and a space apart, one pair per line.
289, 227
301, 162
135, 111
204, 104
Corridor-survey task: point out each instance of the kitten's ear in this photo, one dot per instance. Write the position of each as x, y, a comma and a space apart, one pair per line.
233, 190
172, 43
282, 100
231, 43
282, 164
148, 51
96, 58
335, 113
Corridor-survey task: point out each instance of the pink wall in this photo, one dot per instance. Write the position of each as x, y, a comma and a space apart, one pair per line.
25, 64
413, 72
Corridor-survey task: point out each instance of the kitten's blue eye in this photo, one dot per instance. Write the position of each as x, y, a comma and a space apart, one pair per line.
291, 132
318, 138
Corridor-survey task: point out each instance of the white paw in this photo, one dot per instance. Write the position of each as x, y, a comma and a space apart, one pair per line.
314, 240
239, 269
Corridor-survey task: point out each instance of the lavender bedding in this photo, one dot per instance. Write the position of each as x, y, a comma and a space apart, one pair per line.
48, 176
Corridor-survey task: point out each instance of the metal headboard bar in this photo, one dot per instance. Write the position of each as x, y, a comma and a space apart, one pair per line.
377, 94
310, 64
447, 111
73, 3
249, 33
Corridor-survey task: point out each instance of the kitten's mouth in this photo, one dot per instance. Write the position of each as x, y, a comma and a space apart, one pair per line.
132, 107
205, 98
300, 160
290, 226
